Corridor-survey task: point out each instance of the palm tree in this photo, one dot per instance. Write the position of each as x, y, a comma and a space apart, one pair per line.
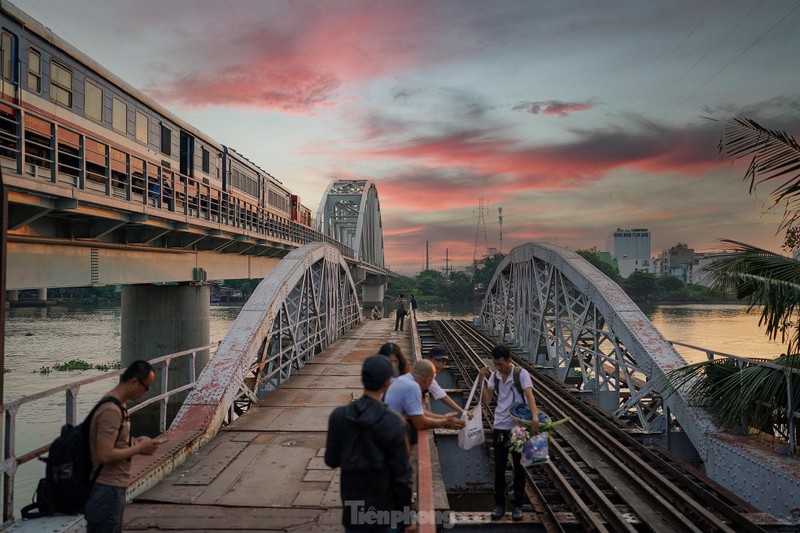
737, 393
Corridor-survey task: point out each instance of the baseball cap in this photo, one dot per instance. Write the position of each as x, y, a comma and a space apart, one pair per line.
376, 371
438, 352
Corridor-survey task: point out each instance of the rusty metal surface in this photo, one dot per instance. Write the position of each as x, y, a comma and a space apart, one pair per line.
265, 471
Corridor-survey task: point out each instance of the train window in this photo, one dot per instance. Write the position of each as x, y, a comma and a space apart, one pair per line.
206, 161
60, 84
141, 127
166, 140
119, 115
7, 48
94, 101
34, 71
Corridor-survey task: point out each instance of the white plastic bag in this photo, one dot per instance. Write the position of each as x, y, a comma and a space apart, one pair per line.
471, 434
535, 450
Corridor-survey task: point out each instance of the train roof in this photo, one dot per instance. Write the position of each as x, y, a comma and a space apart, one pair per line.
33, 25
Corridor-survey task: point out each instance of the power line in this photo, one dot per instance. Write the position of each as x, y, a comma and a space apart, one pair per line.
741, 53
720, 41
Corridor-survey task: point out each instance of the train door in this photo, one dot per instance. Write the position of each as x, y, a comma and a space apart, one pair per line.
187, 154
8, 63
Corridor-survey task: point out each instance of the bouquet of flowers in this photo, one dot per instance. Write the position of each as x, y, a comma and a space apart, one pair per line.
533, 448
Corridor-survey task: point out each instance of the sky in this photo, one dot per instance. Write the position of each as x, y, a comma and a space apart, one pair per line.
577, 118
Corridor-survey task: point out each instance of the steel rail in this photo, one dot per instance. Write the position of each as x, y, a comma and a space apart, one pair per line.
668, 488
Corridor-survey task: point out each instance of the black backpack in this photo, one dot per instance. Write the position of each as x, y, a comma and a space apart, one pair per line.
68, 475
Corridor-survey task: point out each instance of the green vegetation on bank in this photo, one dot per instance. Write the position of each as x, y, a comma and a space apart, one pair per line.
646, 287
459, 289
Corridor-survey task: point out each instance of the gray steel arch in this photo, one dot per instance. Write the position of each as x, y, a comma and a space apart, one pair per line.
350, 212
308, 301
564, 314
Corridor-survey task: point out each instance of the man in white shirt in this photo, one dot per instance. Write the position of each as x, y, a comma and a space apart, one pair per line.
438, 356
405, 397
509, 392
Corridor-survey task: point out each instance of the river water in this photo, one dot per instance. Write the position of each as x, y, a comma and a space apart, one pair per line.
44, 336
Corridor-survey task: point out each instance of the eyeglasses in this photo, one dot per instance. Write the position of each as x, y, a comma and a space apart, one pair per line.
142, 383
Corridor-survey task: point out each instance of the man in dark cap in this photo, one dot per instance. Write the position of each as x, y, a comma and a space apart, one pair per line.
438, 356
368, 441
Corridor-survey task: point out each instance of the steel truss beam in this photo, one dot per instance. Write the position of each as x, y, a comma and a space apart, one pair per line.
564, 314
351, 213
303, 306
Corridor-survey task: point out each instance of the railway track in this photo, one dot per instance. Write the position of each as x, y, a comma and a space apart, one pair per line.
599, 476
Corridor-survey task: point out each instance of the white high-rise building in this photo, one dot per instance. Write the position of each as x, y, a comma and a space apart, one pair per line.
632, 244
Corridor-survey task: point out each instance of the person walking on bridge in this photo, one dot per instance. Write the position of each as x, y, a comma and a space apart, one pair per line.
513, 385
112, 448
400, 306
368, 441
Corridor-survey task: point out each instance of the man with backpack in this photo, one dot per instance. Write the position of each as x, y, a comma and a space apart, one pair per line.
368, 441
513, 385
400, 305
112, 448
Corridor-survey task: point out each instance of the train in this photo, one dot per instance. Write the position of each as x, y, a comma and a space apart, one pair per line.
66, 118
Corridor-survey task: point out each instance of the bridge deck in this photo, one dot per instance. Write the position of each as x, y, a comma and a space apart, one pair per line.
265, 472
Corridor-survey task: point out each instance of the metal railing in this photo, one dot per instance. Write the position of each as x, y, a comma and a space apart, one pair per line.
11, 461
35, 146
790, 375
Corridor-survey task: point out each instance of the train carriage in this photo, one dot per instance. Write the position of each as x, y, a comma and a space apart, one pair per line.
67, 120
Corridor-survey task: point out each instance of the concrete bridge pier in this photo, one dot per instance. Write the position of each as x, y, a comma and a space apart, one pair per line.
42, 296
159, 320
373, 290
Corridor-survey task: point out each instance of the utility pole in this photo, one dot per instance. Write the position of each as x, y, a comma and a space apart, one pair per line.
500, 217
480, 236
427, 255
447, 262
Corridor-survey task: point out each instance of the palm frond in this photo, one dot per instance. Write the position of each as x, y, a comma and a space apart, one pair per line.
775, 158
763, 278
748, 395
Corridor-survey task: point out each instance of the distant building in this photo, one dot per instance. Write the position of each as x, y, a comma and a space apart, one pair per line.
632, 244
629, 266
697, 274
632, 250
677, 261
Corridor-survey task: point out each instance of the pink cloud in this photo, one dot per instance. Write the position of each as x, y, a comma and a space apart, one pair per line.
296, 60
552, 107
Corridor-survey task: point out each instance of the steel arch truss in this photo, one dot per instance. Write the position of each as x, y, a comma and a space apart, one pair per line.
565, 314
303, 306
350, 212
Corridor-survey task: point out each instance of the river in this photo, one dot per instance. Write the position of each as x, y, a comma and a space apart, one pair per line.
43, 336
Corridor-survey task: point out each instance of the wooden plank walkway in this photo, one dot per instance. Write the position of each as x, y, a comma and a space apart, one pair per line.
265, 472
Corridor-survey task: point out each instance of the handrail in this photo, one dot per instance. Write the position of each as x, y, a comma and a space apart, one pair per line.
11, 461
425, 506
788, 372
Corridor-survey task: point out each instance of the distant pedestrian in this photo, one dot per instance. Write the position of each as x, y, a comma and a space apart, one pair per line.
513, 385
376, 313
396, 357
368, 441
400, 308
405, 397
413, 302
438, 356
112, 448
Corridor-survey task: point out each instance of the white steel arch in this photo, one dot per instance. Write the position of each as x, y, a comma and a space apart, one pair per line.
565, 314
307, 302
350, 212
